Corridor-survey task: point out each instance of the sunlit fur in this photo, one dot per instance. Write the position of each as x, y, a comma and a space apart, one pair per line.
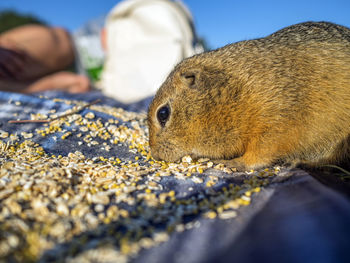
283, 98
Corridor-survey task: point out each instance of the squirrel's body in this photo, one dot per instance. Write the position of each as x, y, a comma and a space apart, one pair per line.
283, 98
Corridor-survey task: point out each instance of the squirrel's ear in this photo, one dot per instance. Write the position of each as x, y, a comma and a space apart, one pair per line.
191, 78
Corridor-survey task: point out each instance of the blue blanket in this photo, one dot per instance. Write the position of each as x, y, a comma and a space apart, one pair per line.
292, 218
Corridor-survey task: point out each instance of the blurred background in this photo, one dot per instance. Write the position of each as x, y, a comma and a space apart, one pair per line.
217, 22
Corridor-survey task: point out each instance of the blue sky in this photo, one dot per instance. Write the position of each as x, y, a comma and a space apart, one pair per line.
220, 22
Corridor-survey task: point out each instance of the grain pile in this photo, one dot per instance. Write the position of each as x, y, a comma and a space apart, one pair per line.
106, 199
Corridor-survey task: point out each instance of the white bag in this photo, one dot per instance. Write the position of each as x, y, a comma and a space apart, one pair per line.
145, 40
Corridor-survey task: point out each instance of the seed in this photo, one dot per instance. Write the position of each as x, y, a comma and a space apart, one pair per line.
187, 159
3, 134
13, 241
100, 199
90, 115
27, 135
62, 209
227, 214
210, 215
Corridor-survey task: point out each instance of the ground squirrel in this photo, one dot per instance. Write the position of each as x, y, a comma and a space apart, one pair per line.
284, 98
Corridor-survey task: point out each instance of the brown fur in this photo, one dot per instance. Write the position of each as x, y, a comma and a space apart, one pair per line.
282, 98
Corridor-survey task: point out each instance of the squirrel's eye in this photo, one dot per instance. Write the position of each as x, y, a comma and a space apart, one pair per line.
163, 114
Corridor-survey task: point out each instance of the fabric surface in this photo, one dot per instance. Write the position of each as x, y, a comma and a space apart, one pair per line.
287, 216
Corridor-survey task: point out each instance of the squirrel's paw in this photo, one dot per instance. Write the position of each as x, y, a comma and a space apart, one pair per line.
240, 165
235, 164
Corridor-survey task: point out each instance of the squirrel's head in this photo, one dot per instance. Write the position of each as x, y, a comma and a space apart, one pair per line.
188, 113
